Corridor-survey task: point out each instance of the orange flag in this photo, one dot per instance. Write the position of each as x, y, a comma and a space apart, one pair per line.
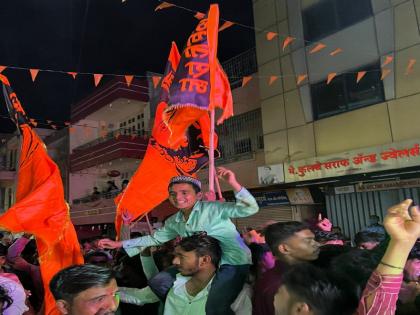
199, 15
385, 73
331, 76
287, 41
273, 78
34, 73
2, 68
410, 66
148, 188
73, 74
245, 80
156, 80
271, 35
97, 77
40, 208
387, 61
164, 5
317, 48
300, 78
226, 25
360, 76
336, 52
200, 84
128, 79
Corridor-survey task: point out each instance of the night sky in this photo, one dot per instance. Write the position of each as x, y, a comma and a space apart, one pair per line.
98, 36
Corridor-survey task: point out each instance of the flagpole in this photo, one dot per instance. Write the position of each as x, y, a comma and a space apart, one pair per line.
211, 153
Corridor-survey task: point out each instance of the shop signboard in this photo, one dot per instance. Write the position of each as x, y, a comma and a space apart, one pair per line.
374, 159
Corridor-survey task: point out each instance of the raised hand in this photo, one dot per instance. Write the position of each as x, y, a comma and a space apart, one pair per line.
229, 177
126, 217
402, 226
106, 243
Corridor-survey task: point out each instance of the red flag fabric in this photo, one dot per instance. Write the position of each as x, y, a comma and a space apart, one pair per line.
200, 84
40, 208
148, 187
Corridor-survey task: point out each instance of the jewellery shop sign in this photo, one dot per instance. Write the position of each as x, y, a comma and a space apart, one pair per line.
391, 156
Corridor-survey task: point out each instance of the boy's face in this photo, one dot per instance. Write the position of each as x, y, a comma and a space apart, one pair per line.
183, 196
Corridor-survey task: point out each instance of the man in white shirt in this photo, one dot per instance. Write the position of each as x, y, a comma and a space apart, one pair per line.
197, 258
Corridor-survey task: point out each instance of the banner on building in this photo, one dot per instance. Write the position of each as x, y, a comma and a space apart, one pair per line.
387, 185
299, 196
386, 157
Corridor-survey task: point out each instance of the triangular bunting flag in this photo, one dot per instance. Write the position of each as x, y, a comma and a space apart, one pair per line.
49, 121
317, 48
33, 122
360, 76
331, 76
271, 35
67, 123
410, 66
199, 15
164, 5
54, 127
385, 72
287, 41
245, 80
73, 74
34, 73
156, 80
2, 68
97, 77
273, 78
387, 61
128, 79
301, 78
226, 25
336, 52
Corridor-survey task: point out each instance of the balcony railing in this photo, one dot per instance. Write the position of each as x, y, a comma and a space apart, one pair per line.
239, 66
90, 198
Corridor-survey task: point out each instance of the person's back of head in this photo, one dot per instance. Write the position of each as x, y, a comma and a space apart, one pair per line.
292, 241
313, 291
368, 240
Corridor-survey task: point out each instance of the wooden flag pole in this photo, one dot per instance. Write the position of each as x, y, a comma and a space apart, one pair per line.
211, 153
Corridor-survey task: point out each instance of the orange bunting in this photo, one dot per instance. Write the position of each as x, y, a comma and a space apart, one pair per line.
199, 15
164, 5
317, 48
67, 123
287, 41
226, 25
128, 79
273, 78
331, 76
336, 52
97, 77
245, 80
360, 76
410, 66
156, 80
54, 127
34, 73
301, 78
271, 35
385, 72
73, 74
387, 61
2, 68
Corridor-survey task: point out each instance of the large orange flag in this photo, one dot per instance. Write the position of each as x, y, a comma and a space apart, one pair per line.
40, 208
148, 186
200, 84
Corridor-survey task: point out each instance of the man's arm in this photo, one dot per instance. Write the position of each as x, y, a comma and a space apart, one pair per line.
137, 296
245, 205
381, 292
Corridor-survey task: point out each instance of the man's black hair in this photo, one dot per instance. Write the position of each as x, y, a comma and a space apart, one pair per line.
203, 245
366, 236
325, 236
5, 299
277, 233
69, 282
415, 251
195, 187
3, 250
324, 293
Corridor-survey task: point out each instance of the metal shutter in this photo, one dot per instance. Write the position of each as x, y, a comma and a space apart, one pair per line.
277, 213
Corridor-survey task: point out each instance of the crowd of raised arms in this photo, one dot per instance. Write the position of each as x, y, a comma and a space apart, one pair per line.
199, 263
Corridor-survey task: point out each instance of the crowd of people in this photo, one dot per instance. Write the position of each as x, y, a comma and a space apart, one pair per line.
199, 263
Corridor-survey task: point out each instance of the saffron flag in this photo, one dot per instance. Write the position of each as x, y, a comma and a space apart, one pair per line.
149, 185
199, 84
40, 208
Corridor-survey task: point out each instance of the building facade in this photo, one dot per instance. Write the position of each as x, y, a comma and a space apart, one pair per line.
313, 125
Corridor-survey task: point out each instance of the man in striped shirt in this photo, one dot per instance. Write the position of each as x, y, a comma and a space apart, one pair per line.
319, 293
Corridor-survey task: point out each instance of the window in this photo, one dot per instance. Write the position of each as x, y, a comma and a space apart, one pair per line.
138, 116
344, 94
326, 17
243, 146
